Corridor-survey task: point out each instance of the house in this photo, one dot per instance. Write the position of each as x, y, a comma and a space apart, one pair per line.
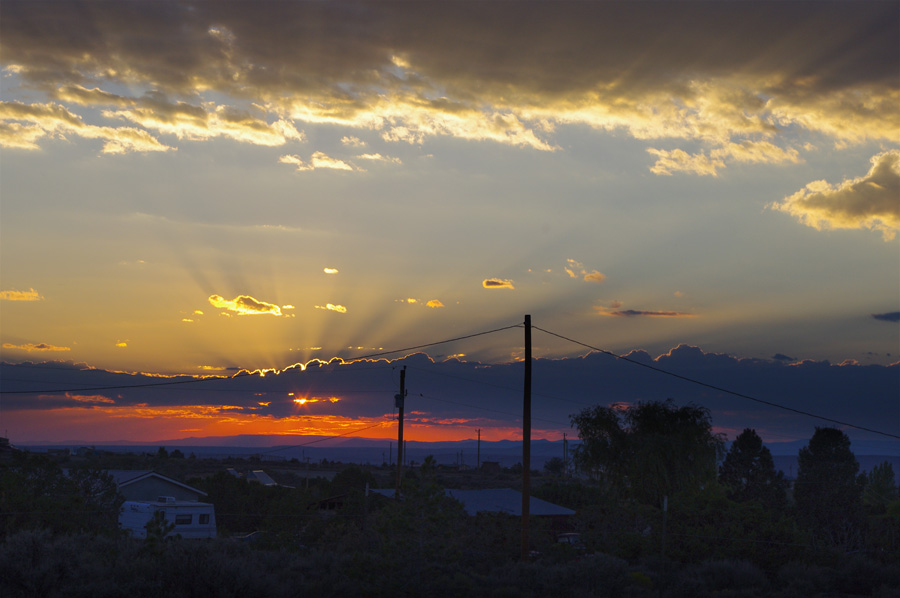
146, 485
187, 518
261, 477
498, 500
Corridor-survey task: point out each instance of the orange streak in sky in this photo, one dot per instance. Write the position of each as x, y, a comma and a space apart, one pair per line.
143, 423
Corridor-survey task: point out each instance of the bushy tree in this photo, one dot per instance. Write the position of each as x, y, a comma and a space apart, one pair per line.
749, 473
555, 466
649, 450
828, 489
880, 489
35, 493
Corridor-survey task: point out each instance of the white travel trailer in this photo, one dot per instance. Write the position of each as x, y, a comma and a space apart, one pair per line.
191, 519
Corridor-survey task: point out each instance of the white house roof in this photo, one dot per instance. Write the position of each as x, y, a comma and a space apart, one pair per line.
258, 475
499, 500
125, 477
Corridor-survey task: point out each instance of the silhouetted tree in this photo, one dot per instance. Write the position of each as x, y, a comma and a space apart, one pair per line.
828, 490
555, 466
750, 475
649, 450
880, 489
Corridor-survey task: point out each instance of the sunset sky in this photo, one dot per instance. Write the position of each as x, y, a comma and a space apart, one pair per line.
199, 188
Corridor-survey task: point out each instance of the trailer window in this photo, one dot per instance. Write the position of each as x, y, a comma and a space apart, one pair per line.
204, 519
183, 519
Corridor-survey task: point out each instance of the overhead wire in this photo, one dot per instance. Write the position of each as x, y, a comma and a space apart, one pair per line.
241, 375
718, 388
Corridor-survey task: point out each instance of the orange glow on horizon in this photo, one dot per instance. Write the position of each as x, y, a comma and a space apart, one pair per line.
142, 423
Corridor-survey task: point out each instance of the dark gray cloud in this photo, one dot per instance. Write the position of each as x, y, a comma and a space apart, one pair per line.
891, 316
554, 47
476, 394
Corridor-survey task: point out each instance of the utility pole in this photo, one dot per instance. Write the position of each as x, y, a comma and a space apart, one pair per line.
398, 402
478, 458
565, 456
526, 441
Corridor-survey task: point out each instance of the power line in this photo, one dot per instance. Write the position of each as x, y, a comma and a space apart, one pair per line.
428, 397
718, 388
241, 375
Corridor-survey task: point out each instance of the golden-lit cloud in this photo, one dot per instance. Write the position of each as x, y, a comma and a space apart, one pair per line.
90, 399
707, 164
867, 202
317, 160
331, 270
331, 307
29, 347
576, 269
23, 125
29, 295
198, 123
677, 160
398, 75
245, 305
379, 158
497, 283
434, 303
352, 141
122, 344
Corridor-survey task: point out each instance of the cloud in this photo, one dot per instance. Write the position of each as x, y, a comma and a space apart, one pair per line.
434, 303
893, 316
497, 283
331, 307
29, 347
122, 344
635, 313
677, 160
245, 305
352, 141
783, 357
708, 164
489, 391
379, 158
331, 270
317, 160
23, 125
771, 72
869, 201
575, 269
29, 295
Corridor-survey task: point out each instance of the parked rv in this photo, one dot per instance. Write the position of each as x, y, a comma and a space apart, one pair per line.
190, 519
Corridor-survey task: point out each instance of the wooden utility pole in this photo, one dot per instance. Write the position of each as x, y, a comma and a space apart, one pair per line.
478, 457
526, 441
398, 402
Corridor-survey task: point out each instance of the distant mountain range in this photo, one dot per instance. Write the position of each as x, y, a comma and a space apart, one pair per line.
375, 451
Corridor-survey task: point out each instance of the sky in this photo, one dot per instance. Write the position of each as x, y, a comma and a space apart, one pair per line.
207, 188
